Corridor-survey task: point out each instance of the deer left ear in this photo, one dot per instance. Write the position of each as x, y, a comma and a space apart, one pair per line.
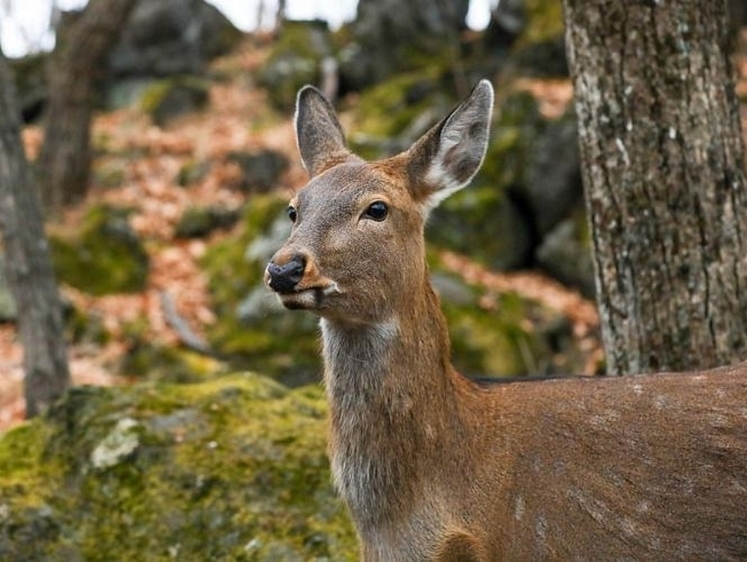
321, 141
447, 157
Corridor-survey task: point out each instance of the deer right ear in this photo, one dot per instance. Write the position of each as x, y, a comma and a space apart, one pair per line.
321, 141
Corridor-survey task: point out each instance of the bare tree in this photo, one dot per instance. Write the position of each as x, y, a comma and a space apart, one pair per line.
75, 68
663, 169
29, 268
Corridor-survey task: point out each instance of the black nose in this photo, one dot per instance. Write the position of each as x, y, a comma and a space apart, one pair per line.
284, 278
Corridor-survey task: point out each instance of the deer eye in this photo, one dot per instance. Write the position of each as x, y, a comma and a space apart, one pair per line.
377, 211
292, 214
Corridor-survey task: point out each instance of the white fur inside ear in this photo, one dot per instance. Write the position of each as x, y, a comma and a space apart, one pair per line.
438, 175
461, 146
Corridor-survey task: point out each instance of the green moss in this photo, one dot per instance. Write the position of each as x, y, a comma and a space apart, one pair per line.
295, 60
171, 97
197, 222
502, 334
104, 256
545, 21
230, 469
168, 364
252, 329
387, 109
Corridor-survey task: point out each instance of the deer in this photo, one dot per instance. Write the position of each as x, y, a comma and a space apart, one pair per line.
436, 466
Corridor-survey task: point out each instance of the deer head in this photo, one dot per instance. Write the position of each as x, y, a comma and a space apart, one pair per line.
356, 247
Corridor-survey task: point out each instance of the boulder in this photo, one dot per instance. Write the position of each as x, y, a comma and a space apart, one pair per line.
198, 222
171, 37
252, 329
260, 170
165, 100
295, 60
233, 468
103, 256
391, 37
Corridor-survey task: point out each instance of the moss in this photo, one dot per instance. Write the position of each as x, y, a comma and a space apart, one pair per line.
503, 334
387, 109
169, 364
197, 222
295, 60
104, 256
169, 98
252, 330
230, 469
545, 21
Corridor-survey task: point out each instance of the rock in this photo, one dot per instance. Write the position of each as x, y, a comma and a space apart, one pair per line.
295, 60
104, 256
260, 171
252, 330
198, 222
391, 37
552, 185
539, 50
565, 254
234, 468
171, 37
530, 181
165, 100
502, 335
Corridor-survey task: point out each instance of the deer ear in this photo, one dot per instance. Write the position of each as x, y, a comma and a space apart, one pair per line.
446, 158
321, 141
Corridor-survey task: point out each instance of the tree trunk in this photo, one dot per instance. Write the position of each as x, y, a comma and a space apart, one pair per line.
75, 68
29, 269
663, 169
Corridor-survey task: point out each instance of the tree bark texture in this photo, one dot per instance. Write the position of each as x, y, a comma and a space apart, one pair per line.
29, 267
76, 67
663, 169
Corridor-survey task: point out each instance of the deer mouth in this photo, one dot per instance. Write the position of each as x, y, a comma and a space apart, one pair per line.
308, 298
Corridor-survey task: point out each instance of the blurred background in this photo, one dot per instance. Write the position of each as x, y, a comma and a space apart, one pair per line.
195, 429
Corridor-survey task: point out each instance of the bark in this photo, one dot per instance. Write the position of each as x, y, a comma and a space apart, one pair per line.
75, 68
29, 268
663, 169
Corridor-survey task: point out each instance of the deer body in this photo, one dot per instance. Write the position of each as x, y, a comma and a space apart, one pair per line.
436, 467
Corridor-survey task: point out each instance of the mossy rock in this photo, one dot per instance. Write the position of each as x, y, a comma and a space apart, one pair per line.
170, 98
485, 220
104, 256
197, 222
168, 364
391, 115
260, 170
540, 48
193, 171
230, 469
252, 328
502, 334
295, 60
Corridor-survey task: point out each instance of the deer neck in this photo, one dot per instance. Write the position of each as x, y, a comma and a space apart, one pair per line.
390, 388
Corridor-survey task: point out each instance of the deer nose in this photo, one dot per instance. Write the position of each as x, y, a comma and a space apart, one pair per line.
284, 278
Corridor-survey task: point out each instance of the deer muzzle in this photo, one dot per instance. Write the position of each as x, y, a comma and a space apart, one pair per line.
284, 278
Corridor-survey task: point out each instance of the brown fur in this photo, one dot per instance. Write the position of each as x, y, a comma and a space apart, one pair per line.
436, 467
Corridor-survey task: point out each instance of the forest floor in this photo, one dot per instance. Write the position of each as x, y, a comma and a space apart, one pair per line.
152, 190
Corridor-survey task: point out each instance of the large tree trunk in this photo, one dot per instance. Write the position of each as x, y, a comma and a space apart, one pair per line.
75, 68
663, 169
29, 268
